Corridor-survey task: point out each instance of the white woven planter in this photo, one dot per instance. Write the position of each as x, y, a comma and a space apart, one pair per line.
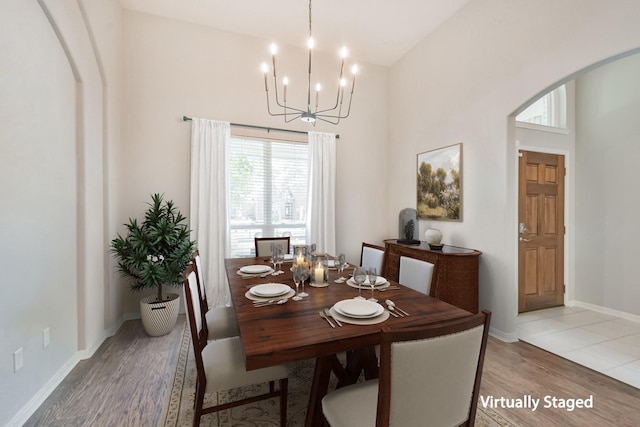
159, 318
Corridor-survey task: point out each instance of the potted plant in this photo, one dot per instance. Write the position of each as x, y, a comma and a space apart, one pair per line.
154, 253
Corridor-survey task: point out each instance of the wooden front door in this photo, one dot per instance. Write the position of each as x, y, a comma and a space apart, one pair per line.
541, 230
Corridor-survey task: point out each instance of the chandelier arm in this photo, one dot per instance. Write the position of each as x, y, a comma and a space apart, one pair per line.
297, 112
338, 94
296, 117
339, 116
327, 121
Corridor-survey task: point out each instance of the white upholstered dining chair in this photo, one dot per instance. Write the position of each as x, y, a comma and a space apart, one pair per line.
220, 363
218, 322
416, 274
429, 376
263, 244
372, 256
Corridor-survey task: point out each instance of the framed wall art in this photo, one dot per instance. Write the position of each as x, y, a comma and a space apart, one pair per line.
439, 191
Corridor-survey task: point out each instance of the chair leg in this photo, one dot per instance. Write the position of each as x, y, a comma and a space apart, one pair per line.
284, 390
198, 402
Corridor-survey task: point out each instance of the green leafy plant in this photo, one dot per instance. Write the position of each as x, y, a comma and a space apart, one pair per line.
156, 251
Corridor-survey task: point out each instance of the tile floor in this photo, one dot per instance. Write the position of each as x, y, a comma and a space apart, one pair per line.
604, 343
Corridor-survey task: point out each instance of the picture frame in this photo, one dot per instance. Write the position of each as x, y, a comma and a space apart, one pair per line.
439, 184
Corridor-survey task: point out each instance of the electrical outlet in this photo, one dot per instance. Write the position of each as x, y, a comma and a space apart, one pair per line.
18, 360
46, 338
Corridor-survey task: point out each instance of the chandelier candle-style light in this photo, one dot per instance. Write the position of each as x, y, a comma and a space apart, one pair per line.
330, 115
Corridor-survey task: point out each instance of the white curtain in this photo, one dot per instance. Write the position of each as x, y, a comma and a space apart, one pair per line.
209, 219
321, 208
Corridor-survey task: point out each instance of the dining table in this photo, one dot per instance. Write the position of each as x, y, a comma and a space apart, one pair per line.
294, 330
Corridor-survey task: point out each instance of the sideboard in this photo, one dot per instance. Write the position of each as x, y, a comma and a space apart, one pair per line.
455, 277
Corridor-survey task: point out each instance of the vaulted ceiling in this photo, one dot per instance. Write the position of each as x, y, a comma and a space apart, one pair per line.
375, 31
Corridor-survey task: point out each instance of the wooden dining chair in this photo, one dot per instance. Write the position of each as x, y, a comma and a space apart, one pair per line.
429, 375
220, 363
218, 322
372, 256
263, 244
416, 274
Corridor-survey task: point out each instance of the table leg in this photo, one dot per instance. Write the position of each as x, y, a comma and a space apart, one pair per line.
319, 388
363, 359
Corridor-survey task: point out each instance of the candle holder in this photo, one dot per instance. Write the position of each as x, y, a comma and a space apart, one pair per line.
319, 275
299, 254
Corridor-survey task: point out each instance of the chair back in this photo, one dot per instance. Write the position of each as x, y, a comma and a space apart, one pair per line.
416, 274
430, 375
197, 265
372, 256
194, 314
263, 244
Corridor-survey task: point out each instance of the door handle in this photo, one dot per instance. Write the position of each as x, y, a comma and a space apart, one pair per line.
522, 239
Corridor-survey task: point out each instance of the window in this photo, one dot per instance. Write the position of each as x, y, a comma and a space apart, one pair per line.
268, 183
549, 110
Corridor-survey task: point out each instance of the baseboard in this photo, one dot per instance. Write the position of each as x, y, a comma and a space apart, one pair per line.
605, 310
30, 408
38, 399
503, 336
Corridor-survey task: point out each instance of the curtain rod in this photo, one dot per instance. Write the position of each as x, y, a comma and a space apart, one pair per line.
268, 129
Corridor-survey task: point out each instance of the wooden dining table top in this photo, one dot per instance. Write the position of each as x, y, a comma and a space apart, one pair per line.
294, 331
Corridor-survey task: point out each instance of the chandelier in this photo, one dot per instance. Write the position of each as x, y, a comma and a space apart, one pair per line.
311, 113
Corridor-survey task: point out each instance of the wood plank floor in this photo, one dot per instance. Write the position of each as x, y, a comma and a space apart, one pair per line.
124, 384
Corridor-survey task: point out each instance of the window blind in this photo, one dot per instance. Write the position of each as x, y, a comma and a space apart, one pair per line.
268, 183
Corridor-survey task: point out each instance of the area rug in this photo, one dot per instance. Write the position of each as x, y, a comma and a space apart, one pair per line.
178, 405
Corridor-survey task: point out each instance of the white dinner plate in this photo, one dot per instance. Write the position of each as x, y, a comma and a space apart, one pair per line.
358, 308
270, 290
255, 269
379, 281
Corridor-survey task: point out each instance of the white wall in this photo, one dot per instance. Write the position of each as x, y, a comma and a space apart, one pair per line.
462, 82
607, 197
54, 135
38, 215
175, 69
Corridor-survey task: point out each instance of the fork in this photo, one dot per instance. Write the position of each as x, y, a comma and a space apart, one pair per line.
326, 311
253, 276
324, 316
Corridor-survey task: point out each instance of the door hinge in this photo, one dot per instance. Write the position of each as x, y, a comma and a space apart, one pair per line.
564, 288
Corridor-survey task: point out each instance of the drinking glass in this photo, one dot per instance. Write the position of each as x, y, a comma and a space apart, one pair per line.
359, 276
297, 276
304, 276
279, 257
373, 276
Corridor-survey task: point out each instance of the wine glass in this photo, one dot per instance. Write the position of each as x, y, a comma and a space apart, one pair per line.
297, 276
359, 276
304, 276
274, 256
340, 264
373, 276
